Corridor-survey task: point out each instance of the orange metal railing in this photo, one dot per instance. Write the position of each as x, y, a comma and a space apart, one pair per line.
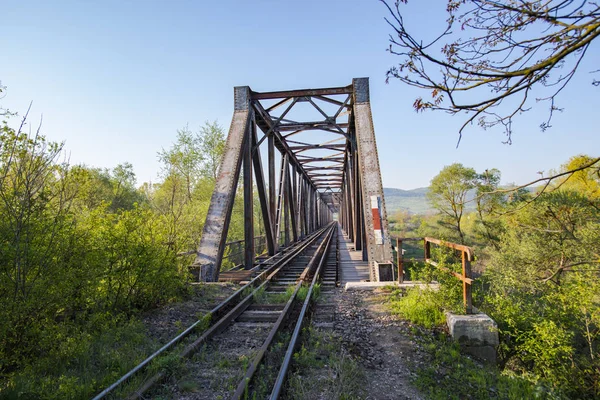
466, 253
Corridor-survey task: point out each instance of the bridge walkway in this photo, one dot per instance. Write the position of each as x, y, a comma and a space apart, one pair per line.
352, 266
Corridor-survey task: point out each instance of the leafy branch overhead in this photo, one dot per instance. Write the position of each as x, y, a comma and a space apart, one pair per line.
492, 56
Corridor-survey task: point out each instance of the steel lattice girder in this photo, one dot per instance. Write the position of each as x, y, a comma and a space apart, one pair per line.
334, 172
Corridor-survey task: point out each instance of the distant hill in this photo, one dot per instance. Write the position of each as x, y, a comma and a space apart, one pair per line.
414, 201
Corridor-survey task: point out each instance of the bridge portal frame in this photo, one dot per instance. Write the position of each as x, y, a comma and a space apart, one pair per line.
307, 193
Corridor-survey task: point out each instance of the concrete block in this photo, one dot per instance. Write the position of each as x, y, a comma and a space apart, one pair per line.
477, 334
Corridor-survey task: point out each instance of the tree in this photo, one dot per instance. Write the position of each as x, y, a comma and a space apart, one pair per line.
3, 111
543, 287
183, 160
487, 204
114, 187
492, 54
586, 180
33, 208
212, 145
189, 173
448, 194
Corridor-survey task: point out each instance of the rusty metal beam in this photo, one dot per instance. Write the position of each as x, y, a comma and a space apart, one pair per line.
248, 202
318, 147
301, 93
333, 101
372, 199
270, 123
313, 125
262, 197
335, 158
214, 232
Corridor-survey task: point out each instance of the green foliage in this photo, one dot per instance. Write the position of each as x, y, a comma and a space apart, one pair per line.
275, 298
332, 373
448, 194
540, 282
449, 375
82, 252
420, 306
182, 199
303, 292
543, 291
83, 361
489, 202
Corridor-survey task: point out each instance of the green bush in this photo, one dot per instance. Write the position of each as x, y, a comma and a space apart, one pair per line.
82, 362
420, 306
448, 374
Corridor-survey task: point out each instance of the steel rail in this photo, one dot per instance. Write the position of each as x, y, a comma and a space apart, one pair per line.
219, 309
319, 255
298, 328
226, 320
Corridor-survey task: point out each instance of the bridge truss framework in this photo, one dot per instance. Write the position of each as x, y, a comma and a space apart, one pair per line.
321, 161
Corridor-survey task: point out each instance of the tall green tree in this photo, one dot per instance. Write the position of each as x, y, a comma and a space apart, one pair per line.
212, 145
543, 291
489, 203
448, 194
188, 177
183, 161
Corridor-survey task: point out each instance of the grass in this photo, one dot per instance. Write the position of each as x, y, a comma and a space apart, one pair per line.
303, 292
264, 378
448, 374
86, 359
321, 369
420, 306
83, 365
273, 298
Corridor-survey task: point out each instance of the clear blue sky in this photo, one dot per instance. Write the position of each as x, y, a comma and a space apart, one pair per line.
116, 79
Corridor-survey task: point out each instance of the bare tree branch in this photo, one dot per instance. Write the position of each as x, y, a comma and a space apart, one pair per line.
491, 54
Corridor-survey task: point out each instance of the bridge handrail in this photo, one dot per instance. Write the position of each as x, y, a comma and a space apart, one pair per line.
467, 256
230, 255
233, 256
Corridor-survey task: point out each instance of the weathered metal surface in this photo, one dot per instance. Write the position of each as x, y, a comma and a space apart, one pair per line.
466, 254
316, 179
212, 242
370, 177
301, 93
248, 202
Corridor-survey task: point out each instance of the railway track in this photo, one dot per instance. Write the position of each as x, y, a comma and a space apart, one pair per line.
247, 346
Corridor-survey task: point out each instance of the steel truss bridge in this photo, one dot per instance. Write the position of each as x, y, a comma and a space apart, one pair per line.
321, 163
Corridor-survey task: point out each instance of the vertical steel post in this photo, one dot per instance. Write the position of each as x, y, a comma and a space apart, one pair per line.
400, 260
348, 206
214, 233
248, 205
272, 190
357, 208
286, 214
262, 194
291, 201
373, 202
467, 289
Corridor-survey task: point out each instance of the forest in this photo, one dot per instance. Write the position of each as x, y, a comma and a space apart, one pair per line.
537, 266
